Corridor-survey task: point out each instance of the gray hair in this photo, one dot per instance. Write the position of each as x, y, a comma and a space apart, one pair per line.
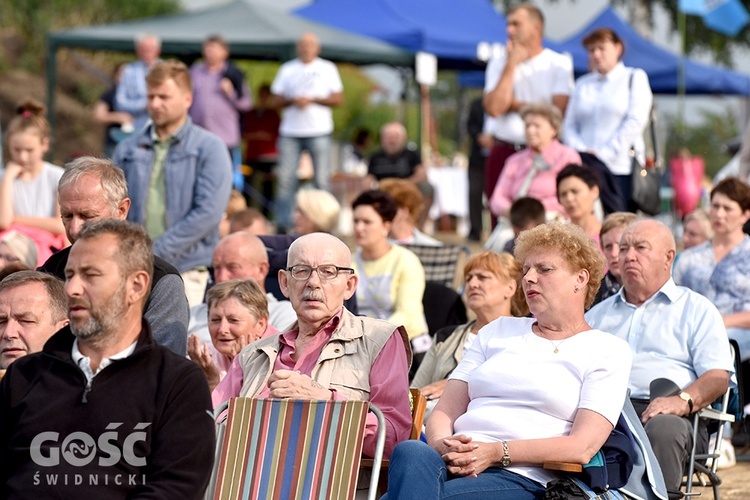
110, 176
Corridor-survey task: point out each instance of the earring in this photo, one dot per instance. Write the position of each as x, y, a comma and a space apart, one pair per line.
575, 290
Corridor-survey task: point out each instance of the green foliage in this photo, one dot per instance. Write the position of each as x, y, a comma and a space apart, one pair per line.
705, 139
31, 20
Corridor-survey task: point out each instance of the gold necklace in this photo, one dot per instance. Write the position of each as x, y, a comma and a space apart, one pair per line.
557, 346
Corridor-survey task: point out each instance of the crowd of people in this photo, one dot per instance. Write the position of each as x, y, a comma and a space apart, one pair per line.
139, 291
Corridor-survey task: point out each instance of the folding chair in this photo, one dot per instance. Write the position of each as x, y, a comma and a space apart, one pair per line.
645, 481
717, 415
443, 264
418, 404
292, 449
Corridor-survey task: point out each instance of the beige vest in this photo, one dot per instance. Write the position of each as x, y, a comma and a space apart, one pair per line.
344, 363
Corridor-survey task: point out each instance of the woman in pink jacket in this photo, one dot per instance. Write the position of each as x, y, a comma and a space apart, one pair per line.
532, 171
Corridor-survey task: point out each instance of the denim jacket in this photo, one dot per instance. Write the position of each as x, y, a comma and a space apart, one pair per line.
198, 176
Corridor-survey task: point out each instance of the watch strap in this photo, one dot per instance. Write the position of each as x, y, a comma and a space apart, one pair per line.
686, 397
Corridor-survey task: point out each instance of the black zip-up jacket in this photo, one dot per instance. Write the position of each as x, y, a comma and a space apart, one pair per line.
141, 429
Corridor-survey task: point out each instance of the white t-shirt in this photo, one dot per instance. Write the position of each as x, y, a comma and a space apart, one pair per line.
317, 80
535, 80
37, 197
519, 388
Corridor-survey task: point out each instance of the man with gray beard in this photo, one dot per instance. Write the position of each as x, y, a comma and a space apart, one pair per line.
104, 411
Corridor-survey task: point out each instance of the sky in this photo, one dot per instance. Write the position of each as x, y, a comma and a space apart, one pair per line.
563, 18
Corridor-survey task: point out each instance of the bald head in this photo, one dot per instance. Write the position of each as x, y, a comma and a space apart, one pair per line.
647, 251
308, 47
240, 255
314, 299
317, 242
393, 138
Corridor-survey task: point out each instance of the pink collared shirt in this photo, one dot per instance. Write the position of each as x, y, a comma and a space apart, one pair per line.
543, 186
389, 382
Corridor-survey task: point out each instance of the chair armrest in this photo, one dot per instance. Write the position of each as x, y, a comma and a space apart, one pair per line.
715, 415
563, 466
367, 463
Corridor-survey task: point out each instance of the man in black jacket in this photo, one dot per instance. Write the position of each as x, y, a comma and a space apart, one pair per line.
103, 411
93, 189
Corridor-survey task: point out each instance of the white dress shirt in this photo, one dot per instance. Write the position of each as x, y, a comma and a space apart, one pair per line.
607, 116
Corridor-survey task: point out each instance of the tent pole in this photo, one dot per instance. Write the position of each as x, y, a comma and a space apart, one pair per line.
681, 83
51, 85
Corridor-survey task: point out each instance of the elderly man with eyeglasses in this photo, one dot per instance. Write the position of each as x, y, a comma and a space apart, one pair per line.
328, 353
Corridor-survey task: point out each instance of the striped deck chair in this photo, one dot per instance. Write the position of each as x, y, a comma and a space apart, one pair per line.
291, 449
443, 264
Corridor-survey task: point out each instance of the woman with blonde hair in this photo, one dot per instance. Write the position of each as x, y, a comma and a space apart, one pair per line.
492, 289
696, 229
316, 211
529, 390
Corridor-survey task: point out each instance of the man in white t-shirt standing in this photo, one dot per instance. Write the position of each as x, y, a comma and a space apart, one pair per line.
526, 73
307, 88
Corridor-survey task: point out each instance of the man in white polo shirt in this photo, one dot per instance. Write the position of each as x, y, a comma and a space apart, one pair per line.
526, 73
307, 88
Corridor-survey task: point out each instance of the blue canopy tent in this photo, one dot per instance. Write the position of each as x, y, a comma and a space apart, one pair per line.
449, 29
661, 65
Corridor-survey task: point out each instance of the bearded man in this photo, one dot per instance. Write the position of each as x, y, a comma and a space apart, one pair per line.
104, 411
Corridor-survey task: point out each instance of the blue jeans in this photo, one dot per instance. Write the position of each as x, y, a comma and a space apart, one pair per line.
290, 149
418, 471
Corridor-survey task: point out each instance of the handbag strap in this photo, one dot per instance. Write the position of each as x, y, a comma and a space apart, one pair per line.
651, 121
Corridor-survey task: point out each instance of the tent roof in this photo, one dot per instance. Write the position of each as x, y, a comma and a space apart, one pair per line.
253, 31
450, 29
661, 65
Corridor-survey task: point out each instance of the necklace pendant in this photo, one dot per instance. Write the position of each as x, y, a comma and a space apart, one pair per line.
556, 350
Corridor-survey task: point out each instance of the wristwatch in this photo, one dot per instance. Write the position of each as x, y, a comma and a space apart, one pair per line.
506, 455
686, 397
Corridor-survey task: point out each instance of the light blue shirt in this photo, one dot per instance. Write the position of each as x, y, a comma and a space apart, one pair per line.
725, 283
131, 95
676, 334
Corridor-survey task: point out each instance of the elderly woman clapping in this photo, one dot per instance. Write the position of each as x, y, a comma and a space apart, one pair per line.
532, 171
237, 316
529, 390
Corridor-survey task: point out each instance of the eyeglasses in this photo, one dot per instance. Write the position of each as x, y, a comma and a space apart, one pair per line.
325, 272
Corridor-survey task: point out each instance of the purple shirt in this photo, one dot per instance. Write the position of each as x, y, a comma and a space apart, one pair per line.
388, 383
212, 109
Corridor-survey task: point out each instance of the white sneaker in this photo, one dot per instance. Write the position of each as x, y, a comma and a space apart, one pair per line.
727, 459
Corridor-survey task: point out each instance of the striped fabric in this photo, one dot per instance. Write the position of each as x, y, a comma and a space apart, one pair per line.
291, 449
443, 264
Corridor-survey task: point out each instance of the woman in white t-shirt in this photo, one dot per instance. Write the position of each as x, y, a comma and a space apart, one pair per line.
529, 390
